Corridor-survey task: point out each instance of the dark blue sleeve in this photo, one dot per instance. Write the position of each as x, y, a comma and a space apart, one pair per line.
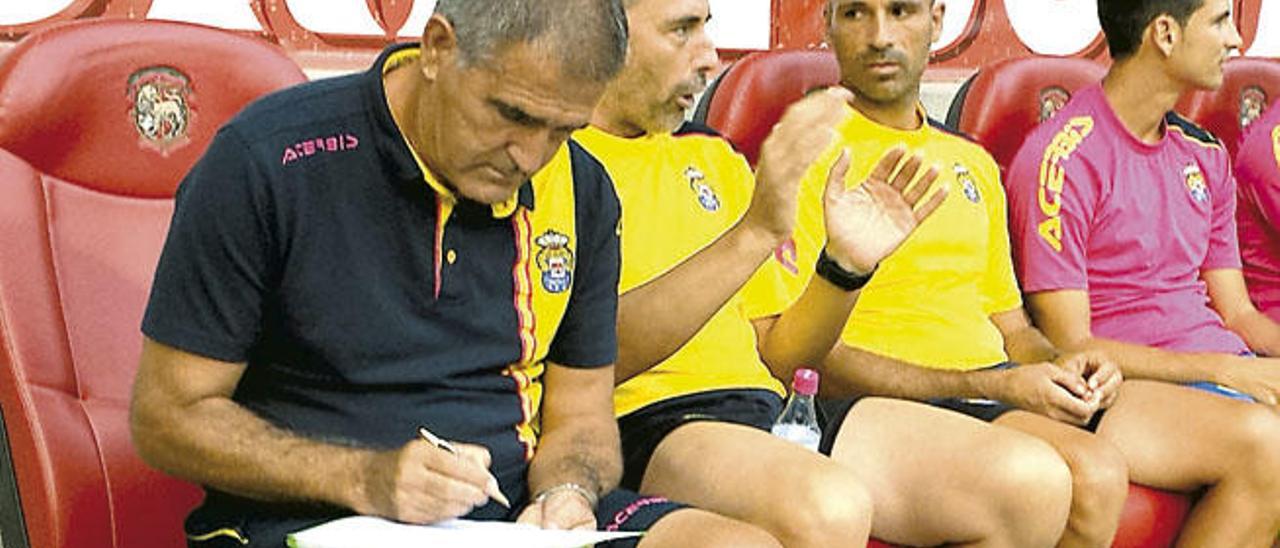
588, 335
208, 293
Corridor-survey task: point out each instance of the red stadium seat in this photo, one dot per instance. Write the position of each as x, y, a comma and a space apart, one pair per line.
1249, 85
1004, 101
99, 120
750, 97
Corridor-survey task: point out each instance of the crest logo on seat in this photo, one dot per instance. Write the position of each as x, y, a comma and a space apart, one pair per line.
161, 113
1052, 99
1253, 100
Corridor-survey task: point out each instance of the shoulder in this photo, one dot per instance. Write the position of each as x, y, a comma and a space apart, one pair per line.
593, 189
309, 112
696, 129
964, 148
950, 131
1258, 157
1064, 140
703, 146
1188, 131
693, 136
1203, 146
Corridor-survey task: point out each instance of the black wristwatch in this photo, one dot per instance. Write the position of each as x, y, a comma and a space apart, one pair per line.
831, 271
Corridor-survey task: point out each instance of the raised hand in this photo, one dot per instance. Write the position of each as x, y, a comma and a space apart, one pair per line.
805, 131
867, 223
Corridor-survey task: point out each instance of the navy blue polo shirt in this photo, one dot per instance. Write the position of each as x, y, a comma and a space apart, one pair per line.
308, 244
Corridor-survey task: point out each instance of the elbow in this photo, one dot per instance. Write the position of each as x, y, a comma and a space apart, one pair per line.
149, 427
145, 433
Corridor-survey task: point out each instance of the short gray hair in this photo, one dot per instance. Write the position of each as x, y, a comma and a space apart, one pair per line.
587, 37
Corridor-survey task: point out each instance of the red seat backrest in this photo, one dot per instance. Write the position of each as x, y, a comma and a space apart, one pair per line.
100, 120
753, 93
1249, 84
1004, 101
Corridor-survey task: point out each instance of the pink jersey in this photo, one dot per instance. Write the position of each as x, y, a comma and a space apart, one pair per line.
1091, 207
1258, 171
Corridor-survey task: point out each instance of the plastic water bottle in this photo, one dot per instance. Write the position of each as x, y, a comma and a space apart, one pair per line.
799, 419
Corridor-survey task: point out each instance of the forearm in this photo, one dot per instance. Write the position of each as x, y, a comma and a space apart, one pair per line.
1258, 331
1029, 345
1145, 362
657, 318
850, 371
585, 453
806, 332
217, 443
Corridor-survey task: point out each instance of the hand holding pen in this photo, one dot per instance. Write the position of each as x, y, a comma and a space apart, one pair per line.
491, 488
425, 481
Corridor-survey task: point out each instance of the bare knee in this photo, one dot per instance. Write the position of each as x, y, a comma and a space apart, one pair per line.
1030, 488
829, 507
1099, 474
1257, 449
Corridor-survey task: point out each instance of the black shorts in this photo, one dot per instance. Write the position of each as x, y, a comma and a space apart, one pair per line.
643, 429
618, 510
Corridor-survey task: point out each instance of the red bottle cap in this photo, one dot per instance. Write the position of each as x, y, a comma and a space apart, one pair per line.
805, 382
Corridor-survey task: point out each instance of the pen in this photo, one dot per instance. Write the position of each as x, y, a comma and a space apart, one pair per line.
491, 489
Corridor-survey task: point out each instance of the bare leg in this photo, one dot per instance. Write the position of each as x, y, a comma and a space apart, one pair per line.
940, 477
1099, 477
1182, 439
800, 497
690, 527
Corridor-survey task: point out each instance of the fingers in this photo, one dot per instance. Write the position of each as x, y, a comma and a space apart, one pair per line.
930, 206
836, 175
1109, 390
884, 168
839, 93
1068, 408
469, 465
906, 173
1070, 380
921, 186
567, 510
474, 453
1262, 394
531, 515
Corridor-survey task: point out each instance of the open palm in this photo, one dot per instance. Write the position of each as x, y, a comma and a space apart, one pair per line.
867, 223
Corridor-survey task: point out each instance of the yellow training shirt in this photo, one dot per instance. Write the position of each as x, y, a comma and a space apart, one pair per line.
930, 302
679, 193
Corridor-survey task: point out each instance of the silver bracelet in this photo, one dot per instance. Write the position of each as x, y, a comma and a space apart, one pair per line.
589, 495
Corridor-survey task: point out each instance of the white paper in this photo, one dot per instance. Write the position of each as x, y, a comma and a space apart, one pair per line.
363, 531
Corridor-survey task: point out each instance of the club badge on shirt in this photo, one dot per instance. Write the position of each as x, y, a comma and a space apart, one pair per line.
1195, 183
555, 260
706, 195
967, 184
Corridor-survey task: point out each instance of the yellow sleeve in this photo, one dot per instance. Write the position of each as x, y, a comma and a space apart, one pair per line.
785, 275
999, 288
767, 293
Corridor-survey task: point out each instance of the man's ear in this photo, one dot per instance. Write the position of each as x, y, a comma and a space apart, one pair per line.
1164, 32
439, 46
938, 12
